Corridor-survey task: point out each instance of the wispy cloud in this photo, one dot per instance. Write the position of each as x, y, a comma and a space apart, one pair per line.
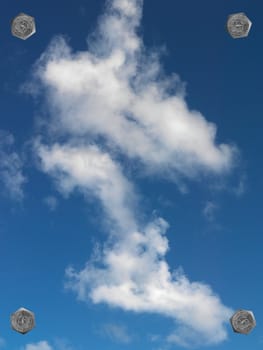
209, 210
116, 333
240, 189
59, 344
88, 169
11, 176
51, 202
2, 342
154, 337
62, 344
41, 345
119, 104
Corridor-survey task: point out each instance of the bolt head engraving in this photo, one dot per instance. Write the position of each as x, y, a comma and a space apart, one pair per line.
23, 26
243, 321
238, 25
23, 320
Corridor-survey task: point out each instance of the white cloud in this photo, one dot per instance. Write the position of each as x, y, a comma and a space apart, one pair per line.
51, 202
11, 175
116, 93
132, 272
88, 169
117, 332
41, 345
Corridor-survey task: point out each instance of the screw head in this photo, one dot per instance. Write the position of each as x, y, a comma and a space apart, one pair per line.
238, 25
243, 321
23, 320
23, 26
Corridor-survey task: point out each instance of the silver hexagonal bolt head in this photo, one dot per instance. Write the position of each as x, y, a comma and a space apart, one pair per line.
238, 25
23, 320
243, 321
23, 26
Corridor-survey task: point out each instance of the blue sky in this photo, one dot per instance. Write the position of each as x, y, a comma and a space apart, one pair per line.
130, 174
